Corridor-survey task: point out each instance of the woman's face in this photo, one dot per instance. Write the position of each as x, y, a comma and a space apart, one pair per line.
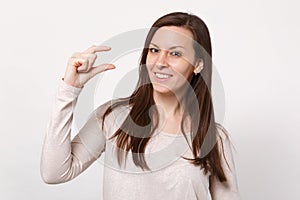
170, 59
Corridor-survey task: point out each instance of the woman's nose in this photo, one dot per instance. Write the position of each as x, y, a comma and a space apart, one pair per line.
162, 59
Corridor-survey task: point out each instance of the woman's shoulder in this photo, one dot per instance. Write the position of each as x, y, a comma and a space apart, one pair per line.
116, 110
224, 137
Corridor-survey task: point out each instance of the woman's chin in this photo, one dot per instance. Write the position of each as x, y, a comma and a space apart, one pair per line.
162, 89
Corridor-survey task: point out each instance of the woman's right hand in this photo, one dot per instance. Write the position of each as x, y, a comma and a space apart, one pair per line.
80, 66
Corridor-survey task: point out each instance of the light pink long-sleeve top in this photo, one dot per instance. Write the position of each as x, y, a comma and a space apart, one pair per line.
171, 178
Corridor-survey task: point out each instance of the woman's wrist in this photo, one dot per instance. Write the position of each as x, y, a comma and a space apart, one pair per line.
71, 84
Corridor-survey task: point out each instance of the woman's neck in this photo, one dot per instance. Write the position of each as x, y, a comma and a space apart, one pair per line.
168, 104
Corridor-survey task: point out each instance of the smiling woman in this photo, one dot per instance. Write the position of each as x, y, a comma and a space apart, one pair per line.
171, 59
172, 98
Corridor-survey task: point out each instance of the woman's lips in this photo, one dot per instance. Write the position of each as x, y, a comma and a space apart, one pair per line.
162, 77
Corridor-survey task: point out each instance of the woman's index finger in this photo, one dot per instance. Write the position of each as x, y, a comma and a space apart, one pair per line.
94, 49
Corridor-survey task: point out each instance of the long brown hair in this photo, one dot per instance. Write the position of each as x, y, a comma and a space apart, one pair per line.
138, 127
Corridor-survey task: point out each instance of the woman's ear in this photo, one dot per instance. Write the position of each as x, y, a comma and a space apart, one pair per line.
198, 66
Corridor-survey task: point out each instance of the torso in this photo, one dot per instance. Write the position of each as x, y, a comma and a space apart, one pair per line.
171, 176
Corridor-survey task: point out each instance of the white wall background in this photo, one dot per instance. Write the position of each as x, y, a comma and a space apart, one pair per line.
255, 48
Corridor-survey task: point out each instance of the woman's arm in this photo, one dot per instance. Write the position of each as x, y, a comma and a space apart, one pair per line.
226, 190
63, 159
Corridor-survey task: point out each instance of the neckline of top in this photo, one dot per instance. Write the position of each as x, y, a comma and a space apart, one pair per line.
173, 134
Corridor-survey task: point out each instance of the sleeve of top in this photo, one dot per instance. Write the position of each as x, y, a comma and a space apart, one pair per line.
225, 190
62, 159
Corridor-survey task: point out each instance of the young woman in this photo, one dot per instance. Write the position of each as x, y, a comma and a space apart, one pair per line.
161, 142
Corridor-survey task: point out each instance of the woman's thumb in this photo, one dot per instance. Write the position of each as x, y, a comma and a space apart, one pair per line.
101, 68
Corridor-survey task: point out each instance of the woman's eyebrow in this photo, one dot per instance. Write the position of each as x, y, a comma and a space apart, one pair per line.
170, 47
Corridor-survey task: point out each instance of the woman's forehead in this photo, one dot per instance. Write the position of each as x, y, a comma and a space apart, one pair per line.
170, 36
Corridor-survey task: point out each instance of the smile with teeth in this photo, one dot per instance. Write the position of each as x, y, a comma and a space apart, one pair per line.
162, 76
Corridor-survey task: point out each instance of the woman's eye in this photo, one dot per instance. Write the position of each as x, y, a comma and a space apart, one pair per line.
153, 50
175, 53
